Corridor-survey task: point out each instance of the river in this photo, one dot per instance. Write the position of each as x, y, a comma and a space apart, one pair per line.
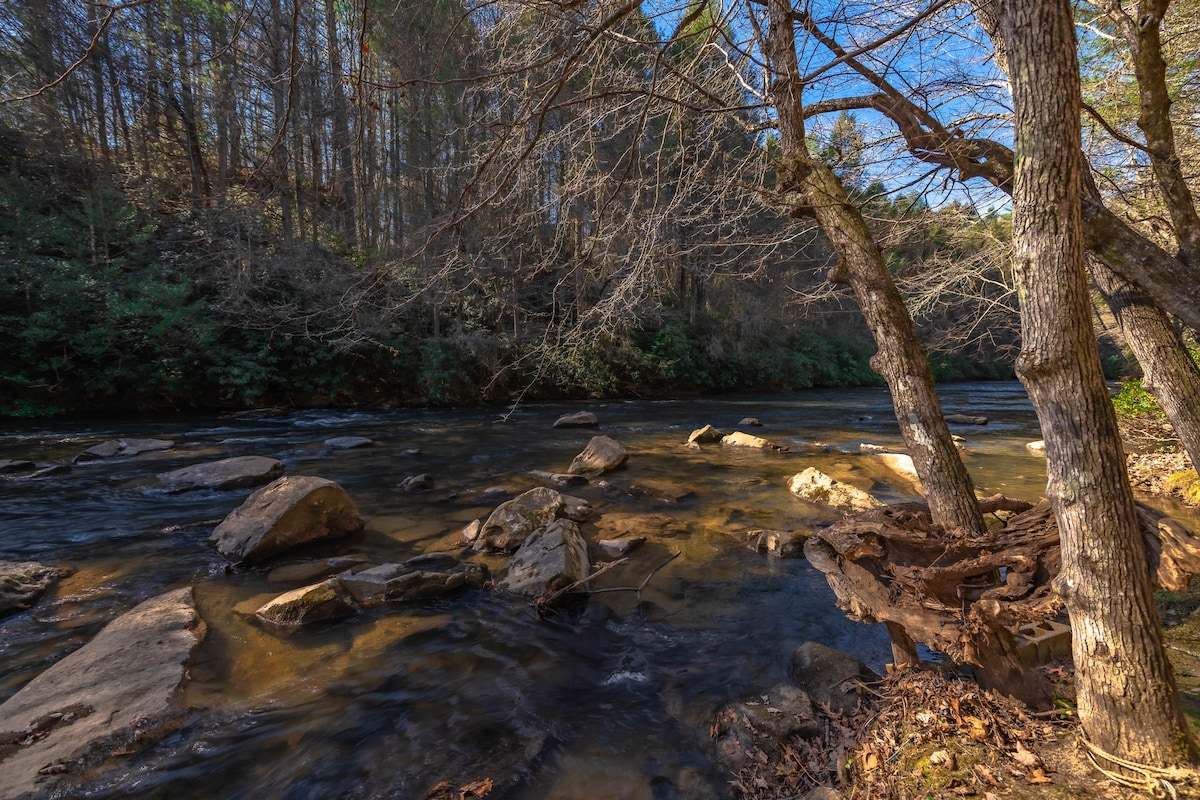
614, 705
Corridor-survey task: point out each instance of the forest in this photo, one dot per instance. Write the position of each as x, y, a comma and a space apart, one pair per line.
285, 203
230, 205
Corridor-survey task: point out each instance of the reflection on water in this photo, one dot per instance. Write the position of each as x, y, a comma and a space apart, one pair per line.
387, 703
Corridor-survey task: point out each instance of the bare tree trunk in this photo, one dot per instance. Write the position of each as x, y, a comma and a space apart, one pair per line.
900, 358
1169, 372
1128, 705
343, 154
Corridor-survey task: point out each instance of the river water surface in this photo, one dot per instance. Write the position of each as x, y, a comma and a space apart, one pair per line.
385, 704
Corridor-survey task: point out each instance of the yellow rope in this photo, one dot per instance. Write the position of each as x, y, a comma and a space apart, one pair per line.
1158, 782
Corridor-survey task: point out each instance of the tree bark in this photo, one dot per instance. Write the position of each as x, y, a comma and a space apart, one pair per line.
1169, 373
1128, 705
900, 359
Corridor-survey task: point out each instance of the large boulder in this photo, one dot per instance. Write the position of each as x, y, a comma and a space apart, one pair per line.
832, 678
601, 455
817, 487
556, 553
511, 523
114, 448
241, 472
319, 602
117, 692
22, 582
580, 419
289, 512
739, 439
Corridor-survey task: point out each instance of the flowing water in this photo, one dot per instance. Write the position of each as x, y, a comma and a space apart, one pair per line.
385, 704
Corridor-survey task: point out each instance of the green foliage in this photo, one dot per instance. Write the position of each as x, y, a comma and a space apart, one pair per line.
1135, 402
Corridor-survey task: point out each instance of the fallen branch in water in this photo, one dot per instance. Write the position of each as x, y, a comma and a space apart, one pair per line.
547, 599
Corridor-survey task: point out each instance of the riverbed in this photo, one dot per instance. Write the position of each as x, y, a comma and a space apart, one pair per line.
614, 704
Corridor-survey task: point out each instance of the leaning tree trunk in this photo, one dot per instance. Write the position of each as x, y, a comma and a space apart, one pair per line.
1128, 705
900, 359
1169, 372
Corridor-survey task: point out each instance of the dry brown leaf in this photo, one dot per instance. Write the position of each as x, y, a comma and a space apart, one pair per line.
940, 757
977, 728
1026, 758
1037, 776
984, 774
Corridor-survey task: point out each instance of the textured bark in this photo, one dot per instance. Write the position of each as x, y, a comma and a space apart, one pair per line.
1126, 690
814, 190
1169, 373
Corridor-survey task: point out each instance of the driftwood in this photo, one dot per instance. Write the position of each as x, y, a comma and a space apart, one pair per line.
966, 596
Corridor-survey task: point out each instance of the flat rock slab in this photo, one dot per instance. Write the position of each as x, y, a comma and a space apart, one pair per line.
284, 514
119, 448
10, 465
118, 690
22, 582
580, 419
242, 472
739, 439
602, 454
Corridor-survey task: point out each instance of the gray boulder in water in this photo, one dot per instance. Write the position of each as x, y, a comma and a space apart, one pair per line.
580, 419
512, 522
601, 455
556, 553
242, 472
289, 512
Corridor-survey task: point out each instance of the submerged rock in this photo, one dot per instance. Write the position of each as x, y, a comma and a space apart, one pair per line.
751, 422
417, 484
620, 547
241, 472
580, 419
781, 544
115, 448
902, 465
319, 602
117, 692
965, 419
289, 512
349, 442
9, 465
817, 487
309, 571
601, 455
559, 479
23, 582
555, 553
